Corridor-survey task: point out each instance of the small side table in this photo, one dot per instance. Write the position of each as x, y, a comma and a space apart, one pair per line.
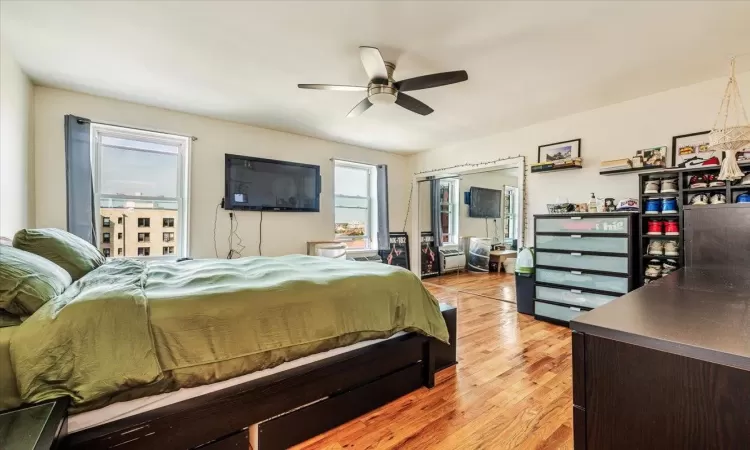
34, 427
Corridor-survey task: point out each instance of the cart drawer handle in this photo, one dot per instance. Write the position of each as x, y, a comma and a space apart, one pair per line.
574, 308
575, 254
576, 272
576, 291
575, 236
576, 218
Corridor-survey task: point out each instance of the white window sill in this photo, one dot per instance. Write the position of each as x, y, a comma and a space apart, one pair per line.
360, 251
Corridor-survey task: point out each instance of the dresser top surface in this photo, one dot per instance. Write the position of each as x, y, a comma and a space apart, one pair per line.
698, 313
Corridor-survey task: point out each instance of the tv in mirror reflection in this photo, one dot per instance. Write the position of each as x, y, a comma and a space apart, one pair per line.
484, 203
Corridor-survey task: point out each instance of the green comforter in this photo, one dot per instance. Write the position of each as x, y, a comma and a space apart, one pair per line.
130, 328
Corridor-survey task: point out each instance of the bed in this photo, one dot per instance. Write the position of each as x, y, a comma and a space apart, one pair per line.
187, 354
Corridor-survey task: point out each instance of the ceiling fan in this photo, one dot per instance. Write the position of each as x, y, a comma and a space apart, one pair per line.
383, 89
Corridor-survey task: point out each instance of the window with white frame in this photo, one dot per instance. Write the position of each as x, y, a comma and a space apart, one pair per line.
510, 213
355, 204
138, 175
449, 211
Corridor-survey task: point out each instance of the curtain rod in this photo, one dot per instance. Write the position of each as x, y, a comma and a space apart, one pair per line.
192, 138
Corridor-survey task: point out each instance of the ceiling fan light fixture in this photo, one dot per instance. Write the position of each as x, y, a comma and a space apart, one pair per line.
382, 94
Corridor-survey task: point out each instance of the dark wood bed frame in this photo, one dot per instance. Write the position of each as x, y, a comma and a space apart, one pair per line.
293, 405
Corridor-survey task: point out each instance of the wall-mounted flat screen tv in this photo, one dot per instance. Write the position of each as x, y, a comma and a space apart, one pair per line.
258, 184
485, 203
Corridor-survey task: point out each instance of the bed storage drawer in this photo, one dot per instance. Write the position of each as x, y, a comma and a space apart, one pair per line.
583, 280
583, 224
556, 312
576, 242
573, 297
573, 260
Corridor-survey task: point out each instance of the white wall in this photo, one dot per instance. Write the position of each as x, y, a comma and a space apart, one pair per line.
16, 148
283, 233
612, 132
472, 226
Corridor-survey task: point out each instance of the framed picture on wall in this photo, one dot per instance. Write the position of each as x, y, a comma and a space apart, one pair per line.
559, 151
691, 150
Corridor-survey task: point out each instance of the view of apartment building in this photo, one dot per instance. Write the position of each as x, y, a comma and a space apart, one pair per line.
138, 231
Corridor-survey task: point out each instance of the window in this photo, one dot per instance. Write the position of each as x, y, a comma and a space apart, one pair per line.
167, 250
510, 213
142, 178
144, 251
168, 237
105, 238
355, 204
106, 252
106, 222
119, 236
119, 252
449, 211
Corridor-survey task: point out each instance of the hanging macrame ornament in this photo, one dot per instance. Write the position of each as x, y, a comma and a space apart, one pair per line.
731, 130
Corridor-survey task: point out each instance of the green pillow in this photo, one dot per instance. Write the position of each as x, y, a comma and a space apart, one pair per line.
66, 250
28, 281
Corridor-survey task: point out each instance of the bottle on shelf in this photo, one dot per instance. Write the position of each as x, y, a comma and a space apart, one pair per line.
592, 203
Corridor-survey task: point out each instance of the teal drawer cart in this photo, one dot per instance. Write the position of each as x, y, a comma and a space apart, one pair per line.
583, 261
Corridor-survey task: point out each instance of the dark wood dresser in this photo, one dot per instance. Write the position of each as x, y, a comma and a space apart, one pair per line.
666, 366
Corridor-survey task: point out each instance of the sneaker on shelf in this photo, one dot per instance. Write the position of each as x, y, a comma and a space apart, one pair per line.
656, 248
746, 180
714, 181
699, 199
717, 199
698, 181
671, 228
712, 161
648, 280
653, 269
653, 206
669, 205
655, 227
652, 187
743, 198
670, 264
668, 185
671, 248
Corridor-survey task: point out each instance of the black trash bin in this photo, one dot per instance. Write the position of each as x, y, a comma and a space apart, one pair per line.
525, 293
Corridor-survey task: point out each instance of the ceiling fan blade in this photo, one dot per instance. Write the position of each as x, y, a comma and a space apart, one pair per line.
412, 104
332, 87
431, 81
361, 107
374, 63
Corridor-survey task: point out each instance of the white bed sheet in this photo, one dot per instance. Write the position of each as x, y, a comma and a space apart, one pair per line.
121, 410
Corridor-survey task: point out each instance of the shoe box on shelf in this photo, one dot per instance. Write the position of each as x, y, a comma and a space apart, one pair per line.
663, 195
583, 260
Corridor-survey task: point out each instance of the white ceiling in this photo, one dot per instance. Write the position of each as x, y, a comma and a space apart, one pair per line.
241, 61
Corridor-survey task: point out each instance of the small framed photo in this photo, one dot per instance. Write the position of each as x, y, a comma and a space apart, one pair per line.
691, 150
652, 157
560, 151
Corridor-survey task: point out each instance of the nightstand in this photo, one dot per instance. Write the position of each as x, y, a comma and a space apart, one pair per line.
34, 427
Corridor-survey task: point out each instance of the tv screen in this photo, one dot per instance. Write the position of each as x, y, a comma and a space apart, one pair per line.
258, 184
485, 203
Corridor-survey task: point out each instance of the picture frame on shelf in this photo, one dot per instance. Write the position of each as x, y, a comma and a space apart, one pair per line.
692, 150
655, 157
559, 151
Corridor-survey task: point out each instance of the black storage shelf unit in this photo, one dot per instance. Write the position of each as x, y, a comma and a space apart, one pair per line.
683, 195
583, 260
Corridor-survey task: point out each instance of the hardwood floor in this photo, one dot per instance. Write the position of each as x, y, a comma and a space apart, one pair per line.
512, 388
497, 285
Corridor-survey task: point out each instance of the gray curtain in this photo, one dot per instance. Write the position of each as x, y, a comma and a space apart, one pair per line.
435, 211
382, 196
80, 187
